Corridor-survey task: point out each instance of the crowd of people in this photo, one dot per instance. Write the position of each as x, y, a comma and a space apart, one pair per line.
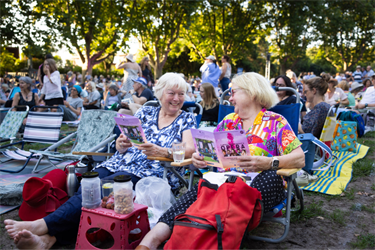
251, 95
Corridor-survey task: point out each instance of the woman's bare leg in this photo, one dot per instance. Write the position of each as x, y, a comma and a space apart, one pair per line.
37, 227
156, 236
27, 240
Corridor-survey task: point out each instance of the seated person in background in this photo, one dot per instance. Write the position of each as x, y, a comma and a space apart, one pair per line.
162, 126
93, 101
141, 95
113, 97
251, 96
287, 97
314, 90
368, 99
356, 91
210, 105
25, 96
335, 95
73, 105
344, 85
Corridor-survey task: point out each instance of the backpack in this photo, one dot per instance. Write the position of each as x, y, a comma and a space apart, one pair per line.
354, 117
219, 218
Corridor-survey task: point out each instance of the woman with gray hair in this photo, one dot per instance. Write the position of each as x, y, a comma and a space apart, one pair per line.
162, 126
93, 100
25, 97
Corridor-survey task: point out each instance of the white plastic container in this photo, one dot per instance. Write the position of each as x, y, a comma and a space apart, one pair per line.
123, 191
91, 194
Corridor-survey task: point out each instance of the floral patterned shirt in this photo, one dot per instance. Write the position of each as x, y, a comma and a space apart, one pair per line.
135, 162
270, 135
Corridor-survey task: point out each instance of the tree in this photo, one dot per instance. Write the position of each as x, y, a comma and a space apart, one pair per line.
160, 25
292, 25
225, 27
96, 29
9, 28
348, 32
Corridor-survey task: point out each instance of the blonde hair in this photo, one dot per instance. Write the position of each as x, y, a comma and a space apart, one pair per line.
167, 81
93, 86
52, 65
210, 99
258, 88
143, 62
344, 85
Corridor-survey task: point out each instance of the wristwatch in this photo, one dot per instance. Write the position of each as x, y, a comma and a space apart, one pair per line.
275, 163
366, 104
169, 153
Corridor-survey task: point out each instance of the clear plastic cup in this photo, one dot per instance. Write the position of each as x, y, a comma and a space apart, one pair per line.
178, 149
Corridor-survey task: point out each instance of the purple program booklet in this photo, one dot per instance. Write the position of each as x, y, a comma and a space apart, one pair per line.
131, 127
220, 149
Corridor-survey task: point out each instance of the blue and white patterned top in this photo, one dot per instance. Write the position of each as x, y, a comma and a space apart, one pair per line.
135, 162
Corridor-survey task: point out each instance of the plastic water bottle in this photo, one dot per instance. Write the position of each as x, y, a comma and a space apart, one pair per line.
91, 191
71, 181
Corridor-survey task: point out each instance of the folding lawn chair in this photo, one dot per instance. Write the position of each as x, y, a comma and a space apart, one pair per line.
186, 105
41, 127
76, 122
93, 133
12, 123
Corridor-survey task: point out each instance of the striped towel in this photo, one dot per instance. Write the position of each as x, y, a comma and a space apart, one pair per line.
43, 127
334, 180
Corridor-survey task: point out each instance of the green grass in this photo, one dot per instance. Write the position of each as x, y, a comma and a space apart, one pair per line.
338, 216
373, 187
350, 193
363, 168
366, 241
311, 211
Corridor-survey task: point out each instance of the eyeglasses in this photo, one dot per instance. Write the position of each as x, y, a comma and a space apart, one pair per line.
280, 85
233, 91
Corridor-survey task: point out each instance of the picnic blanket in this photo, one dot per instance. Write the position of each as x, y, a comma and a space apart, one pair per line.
334, 180
9, 178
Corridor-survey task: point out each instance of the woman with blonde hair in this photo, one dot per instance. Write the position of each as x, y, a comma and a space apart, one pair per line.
146, 70
276, 147
51, 91
210, 105
344, 85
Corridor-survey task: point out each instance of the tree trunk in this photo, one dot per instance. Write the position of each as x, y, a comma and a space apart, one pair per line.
158, 70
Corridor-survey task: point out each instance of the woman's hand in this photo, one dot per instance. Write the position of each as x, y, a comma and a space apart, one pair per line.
198, 161
122, 144
46, 70
254, 163
151, 149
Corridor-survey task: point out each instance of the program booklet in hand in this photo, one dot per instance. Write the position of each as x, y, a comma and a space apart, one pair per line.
220, 149
131, 127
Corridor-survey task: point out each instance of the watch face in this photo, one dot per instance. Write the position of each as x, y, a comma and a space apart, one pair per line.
275, 163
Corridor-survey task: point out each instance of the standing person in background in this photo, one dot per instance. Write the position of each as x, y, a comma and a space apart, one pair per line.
146, 70
51, 91
211, 72
131, 72
93, 101
226, 72
357, 75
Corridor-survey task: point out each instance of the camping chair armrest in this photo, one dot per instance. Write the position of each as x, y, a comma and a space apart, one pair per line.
61, 142
183, 163
173, 164
155, 158
287, 171
93, 153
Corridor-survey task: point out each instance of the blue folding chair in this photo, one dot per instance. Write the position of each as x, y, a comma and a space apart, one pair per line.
291, 113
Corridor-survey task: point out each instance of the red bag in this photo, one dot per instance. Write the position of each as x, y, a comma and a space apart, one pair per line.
219, 218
